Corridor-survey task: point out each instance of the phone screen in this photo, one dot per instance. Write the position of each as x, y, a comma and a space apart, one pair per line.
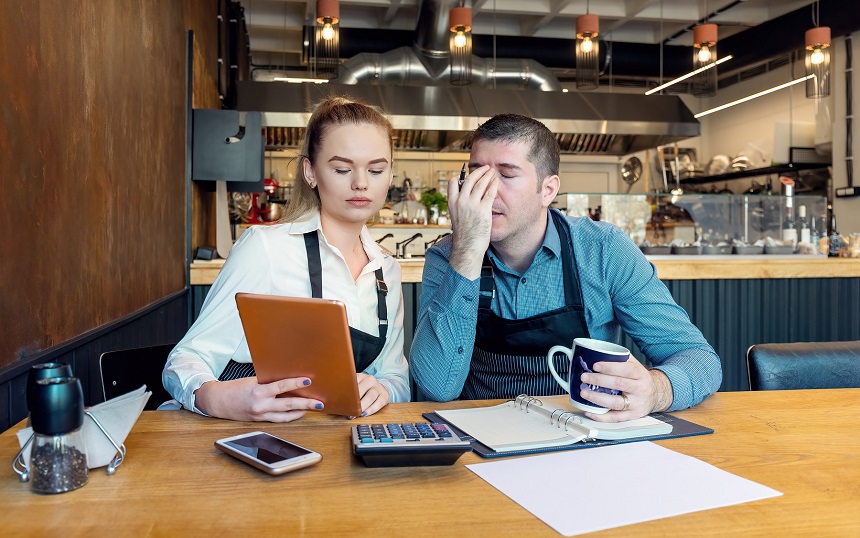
267, 448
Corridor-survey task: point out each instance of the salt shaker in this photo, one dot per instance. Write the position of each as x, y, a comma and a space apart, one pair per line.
58, 460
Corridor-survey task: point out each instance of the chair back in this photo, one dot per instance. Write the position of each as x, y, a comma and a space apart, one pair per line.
125, 370
804, 365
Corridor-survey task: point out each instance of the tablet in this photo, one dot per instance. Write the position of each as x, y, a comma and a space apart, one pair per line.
296, 337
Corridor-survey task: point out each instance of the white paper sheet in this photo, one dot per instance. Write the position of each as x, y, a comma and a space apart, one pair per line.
600, 488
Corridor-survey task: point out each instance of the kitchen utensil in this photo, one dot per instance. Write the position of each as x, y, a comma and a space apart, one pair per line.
631, 171
719, 164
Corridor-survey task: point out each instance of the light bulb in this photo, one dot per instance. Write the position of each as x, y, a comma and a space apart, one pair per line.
704, 54
586, 45
817, 57
460, 39
327, 32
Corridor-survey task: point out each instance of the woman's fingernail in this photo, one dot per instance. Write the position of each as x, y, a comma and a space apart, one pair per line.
364, 413
319, 406
306, 382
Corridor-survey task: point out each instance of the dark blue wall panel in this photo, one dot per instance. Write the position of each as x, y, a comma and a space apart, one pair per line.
161, 323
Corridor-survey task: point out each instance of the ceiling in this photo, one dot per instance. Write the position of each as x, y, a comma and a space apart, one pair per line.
649, 39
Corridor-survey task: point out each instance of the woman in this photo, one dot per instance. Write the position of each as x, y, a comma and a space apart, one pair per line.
342, 178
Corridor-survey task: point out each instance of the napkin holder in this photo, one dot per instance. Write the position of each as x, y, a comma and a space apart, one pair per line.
105, 428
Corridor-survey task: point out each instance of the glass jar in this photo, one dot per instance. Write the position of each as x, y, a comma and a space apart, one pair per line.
58, 463
58, 460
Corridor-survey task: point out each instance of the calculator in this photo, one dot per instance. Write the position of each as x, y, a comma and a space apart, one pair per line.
409, 444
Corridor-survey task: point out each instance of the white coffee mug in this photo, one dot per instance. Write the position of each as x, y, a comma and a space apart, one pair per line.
582, 356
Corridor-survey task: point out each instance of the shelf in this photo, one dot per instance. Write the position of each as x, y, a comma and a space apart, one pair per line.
755, 172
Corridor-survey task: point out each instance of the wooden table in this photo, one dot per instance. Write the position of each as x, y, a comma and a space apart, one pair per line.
805, 444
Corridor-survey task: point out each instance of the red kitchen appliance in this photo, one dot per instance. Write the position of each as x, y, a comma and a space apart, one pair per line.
263, 210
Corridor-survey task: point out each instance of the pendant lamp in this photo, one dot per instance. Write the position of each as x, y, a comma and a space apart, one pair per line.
704, 83
460, 45
327, 37
818, 62
587, 52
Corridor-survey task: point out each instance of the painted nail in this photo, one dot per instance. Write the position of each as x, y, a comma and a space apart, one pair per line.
306, 382
364, 413
319, 406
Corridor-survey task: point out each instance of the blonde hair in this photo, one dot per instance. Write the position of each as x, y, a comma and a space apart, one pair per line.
331, 111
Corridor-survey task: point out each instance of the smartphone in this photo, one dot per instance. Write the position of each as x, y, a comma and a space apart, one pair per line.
268, 453
462, 177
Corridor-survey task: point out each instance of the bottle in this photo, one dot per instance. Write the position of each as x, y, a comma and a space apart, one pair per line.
823, 237
804, 225
834, 244
789, 232
814, 237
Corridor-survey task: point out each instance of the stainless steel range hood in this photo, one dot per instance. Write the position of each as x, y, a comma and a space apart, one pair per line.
440, 118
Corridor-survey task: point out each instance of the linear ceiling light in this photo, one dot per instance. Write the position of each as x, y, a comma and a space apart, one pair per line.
688, 75
753, 96
460, 45
298, 80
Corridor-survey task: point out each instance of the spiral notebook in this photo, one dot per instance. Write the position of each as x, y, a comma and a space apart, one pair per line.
529, 425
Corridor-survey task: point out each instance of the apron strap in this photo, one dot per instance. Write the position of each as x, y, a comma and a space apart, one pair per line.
381, 306
572, 289
312, 247
488, 285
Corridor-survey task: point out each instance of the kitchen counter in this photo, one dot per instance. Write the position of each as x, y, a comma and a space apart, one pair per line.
672, 267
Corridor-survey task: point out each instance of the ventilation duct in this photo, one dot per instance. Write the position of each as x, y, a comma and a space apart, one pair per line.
411, 84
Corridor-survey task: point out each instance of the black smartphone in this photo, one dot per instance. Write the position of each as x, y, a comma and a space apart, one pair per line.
267, 452
462, 177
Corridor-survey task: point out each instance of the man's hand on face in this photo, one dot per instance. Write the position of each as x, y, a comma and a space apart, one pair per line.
471, 210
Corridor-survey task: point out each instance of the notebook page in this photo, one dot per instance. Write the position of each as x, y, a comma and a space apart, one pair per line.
505, 428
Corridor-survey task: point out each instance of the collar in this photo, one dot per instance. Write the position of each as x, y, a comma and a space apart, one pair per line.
551, 243
313, 223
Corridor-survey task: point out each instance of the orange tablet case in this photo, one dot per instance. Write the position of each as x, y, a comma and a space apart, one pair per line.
296, 337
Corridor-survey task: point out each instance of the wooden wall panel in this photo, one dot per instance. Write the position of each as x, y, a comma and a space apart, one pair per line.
92, 163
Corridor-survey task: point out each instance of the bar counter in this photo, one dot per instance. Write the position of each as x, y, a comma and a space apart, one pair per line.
674, 267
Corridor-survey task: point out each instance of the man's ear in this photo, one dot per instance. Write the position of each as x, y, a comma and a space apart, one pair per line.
549, 189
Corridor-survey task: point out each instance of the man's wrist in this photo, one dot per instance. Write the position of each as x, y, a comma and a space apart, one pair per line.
663, 395
466, 261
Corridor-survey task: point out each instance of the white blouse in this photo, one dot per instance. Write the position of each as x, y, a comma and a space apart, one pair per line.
272, 260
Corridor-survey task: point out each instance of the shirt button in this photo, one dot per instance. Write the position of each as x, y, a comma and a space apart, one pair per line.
460, 350
523, 280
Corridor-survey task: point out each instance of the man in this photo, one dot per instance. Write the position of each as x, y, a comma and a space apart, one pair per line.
516, 278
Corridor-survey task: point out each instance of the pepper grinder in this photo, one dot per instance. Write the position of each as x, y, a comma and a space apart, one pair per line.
58, 461
44, 371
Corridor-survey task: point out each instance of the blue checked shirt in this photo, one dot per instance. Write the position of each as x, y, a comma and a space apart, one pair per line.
620, 290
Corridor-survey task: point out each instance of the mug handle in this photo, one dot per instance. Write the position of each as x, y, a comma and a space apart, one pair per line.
569, 354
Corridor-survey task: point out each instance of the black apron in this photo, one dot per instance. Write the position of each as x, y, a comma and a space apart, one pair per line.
365, 347
509, 357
